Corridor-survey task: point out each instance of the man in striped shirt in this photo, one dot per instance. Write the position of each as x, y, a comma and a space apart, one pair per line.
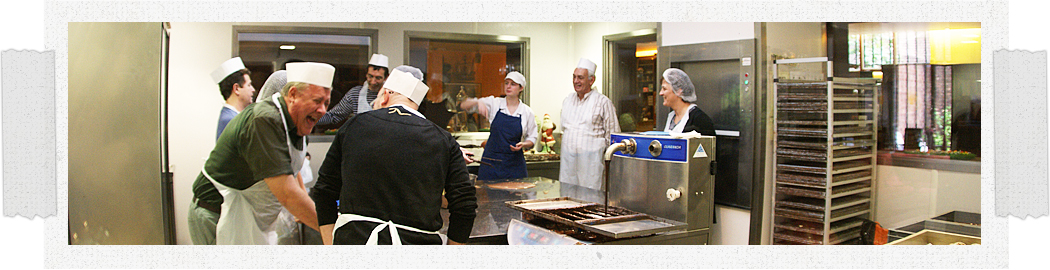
359, 99
588, 118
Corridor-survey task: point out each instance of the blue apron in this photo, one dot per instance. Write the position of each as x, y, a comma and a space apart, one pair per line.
504, 131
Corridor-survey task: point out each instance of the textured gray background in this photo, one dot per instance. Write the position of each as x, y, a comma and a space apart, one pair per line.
29, 148
1021, 164
993, 253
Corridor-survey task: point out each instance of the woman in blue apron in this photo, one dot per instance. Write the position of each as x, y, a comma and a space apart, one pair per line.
512, 130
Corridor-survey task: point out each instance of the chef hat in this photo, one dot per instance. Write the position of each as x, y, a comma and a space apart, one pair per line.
588, 65
319, 74
680, 84
379, 60
227, 68
411, 70
407, 85
516, 77
273, 85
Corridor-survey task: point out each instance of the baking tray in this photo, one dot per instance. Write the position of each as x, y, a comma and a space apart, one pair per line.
798, 237
620, 222
820, 169
928, 237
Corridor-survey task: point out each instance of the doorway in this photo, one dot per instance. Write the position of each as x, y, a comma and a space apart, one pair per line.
631, 79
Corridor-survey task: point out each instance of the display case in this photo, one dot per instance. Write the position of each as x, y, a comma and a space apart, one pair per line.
825, 153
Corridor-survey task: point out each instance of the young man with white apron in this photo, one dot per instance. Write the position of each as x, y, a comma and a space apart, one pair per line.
251, 170
511, 131
359, 98
389, 186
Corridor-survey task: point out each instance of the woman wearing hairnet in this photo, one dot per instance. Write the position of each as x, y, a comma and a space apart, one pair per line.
679, 94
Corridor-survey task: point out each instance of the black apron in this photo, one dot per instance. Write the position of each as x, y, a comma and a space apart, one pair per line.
505, 131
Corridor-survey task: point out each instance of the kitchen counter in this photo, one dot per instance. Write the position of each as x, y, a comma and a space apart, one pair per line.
494, 217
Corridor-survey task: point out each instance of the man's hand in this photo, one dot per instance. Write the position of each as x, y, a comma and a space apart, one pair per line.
292, 196
327, 234
467, 155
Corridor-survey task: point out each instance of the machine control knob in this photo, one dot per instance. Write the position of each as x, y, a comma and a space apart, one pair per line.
673, 194
655, 148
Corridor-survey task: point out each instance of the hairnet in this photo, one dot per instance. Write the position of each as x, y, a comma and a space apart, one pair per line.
273, 85
680, 84
411, 70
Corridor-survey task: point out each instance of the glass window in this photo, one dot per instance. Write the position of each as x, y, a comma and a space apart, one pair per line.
265, 50
461, 66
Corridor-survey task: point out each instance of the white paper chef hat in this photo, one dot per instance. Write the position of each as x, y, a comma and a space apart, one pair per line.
319, 74
407, 85
379, 60
516, 77
227, 68
588, 65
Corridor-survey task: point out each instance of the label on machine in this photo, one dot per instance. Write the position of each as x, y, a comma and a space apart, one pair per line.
672, 149
700, 153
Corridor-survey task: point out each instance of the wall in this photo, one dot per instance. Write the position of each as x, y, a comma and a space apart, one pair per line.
704, 32
905, 195
197, 48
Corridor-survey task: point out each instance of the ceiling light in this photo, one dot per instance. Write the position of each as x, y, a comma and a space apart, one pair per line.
288, 47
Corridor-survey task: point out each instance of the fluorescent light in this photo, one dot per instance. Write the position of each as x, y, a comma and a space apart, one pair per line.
288, 47
508, 38
644, 53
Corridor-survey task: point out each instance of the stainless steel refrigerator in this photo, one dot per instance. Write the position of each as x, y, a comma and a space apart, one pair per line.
120, 189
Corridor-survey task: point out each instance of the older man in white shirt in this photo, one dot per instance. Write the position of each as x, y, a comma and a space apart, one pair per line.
588, 118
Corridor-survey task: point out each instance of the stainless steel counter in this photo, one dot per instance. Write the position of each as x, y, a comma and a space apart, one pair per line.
490, 226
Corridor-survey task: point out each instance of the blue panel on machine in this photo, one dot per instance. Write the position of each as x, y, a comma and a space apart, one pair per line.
672, 149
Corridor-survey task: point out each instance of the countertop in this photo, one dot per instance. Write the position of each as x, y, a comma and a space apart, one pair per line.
490, 225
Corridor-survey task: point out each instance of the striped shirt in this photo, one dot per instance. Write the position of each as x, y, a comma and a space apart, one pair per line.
587, 125
347, 106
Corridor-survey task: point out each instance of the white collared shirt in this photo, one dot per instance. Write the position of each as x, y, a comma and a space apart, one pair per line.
227, 105
680, 126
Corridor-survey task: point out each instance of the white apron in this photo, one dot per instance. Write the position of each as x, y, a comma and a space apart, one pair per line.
681, 124
362, 100
249, 216
582, 148
390, 225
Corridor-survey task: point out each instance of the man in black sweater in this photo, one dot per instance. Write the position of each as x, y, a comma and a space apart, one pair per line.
387, 168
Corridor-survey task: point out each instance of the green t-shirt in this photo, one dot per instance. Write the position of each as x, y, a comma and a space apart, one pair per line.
253, 147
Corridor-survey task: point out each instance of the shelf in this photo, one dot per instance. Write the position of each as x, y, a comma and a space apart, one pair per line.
824, 154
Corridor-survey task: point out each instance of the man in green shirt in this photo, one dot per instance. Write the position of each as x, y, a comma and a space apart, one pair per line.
249, 176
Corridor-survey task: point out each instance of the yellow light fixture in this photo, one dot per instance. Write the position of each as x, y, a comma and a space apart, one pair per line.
876, 74
287, 47
644, 53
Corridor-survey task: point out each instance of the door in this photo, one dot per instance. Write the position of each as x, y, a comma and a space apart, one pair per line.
116, 191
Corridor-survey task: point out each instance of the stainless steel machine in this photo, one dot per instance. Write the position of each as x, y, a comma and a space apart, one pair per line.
660, 190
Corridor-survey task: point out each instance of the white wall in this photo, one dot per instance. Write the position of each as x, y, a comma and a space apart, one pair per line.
197, 48
681, 33
905, 196
732, 227
194, 103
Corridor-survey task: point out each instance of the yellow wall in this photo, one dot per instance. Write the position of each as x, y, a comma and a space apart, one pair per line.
955, 46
